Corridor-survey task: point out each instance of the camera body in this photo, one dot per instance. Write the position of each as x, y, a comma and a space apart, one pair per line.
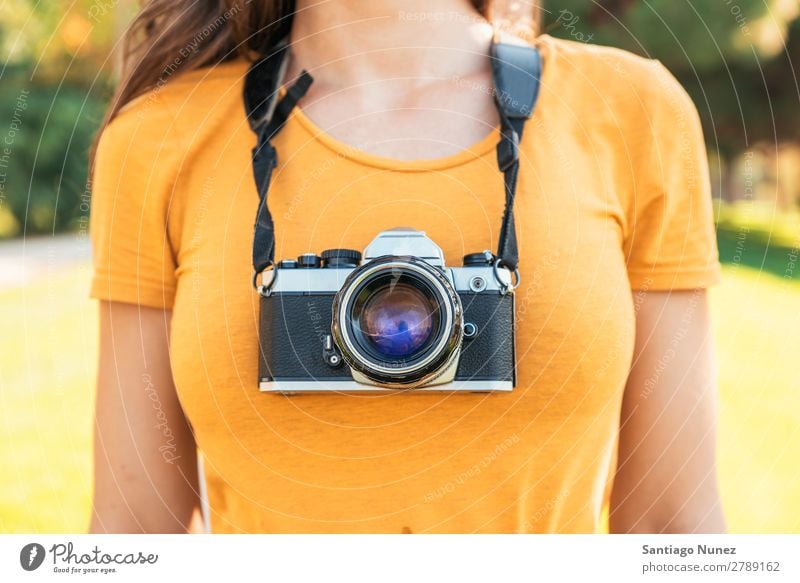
399, 319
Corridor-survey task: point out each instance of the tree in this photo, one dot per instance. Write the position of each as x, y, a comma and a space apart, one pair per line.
54, 84
734, 57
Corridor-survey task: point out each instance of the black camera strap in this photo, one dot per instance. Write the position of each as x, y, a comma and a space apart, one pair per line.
516, 70
267, 115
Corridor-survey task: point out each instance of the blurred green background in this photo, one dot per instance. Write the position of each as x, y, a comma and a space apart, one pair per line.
736, 58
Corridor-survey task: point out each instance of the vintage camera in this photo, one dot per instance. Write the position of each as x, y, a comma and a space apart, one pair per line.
399, 319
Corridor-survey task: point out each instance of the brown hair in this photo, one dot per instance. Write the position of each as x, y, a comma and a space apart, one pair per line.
168, 37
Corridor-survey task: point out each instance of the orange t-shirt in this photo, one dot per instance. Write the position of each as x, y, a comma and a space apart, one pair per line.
613, 194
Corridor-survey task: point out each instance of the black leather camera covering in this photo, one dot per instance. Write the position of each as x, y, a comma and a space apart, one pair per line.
293, 329
490, 354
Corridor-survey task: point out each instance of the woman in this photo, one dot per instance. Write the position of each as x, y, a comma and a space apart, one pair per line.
614, 408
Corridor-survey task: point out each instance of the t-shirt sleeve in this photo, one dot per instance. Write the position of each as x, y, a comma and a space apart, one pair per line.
670, 241
132, 184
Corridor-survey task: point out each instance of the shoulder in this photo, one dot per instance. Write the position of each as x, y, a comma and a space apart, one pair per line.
611, 78
614, 94
154, 137
612, 69
182, 105
192, 92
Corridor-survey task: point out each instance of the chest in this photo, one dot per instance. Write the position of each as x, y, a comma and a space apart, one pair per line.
574, 314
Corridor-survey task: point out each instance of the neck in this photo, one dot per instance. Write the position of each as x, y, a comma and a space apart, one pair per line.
350, 42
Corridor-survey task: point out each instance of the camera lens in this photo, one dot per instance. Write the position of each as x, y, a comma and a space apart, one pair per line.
398, 321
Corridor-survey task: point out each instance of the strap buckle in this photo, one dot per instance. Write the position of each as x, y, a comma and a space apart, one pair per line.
264, 288
507, 285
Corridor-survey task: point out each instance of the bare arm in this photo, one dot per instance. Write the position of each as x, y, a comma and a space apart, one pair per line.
666, 476
145, 477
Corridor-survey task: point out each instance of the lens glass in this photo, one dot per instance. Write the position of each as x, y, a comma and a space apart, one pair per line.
398, 320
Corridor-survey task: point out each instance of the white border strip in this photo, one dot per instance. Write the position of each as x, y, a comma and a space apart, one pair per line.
350, 386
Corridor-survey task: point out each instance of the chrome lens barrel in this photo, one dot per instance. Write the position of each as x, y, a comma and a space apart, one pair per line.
398, 321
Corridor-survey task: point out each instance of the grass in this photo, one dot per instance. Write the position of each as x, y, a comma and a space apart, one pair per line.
755, 235
757, 334
47, 367
47, 364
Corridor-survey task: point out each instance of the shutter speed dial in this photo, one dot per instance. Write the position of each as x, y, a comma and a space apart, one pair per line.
309, 260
